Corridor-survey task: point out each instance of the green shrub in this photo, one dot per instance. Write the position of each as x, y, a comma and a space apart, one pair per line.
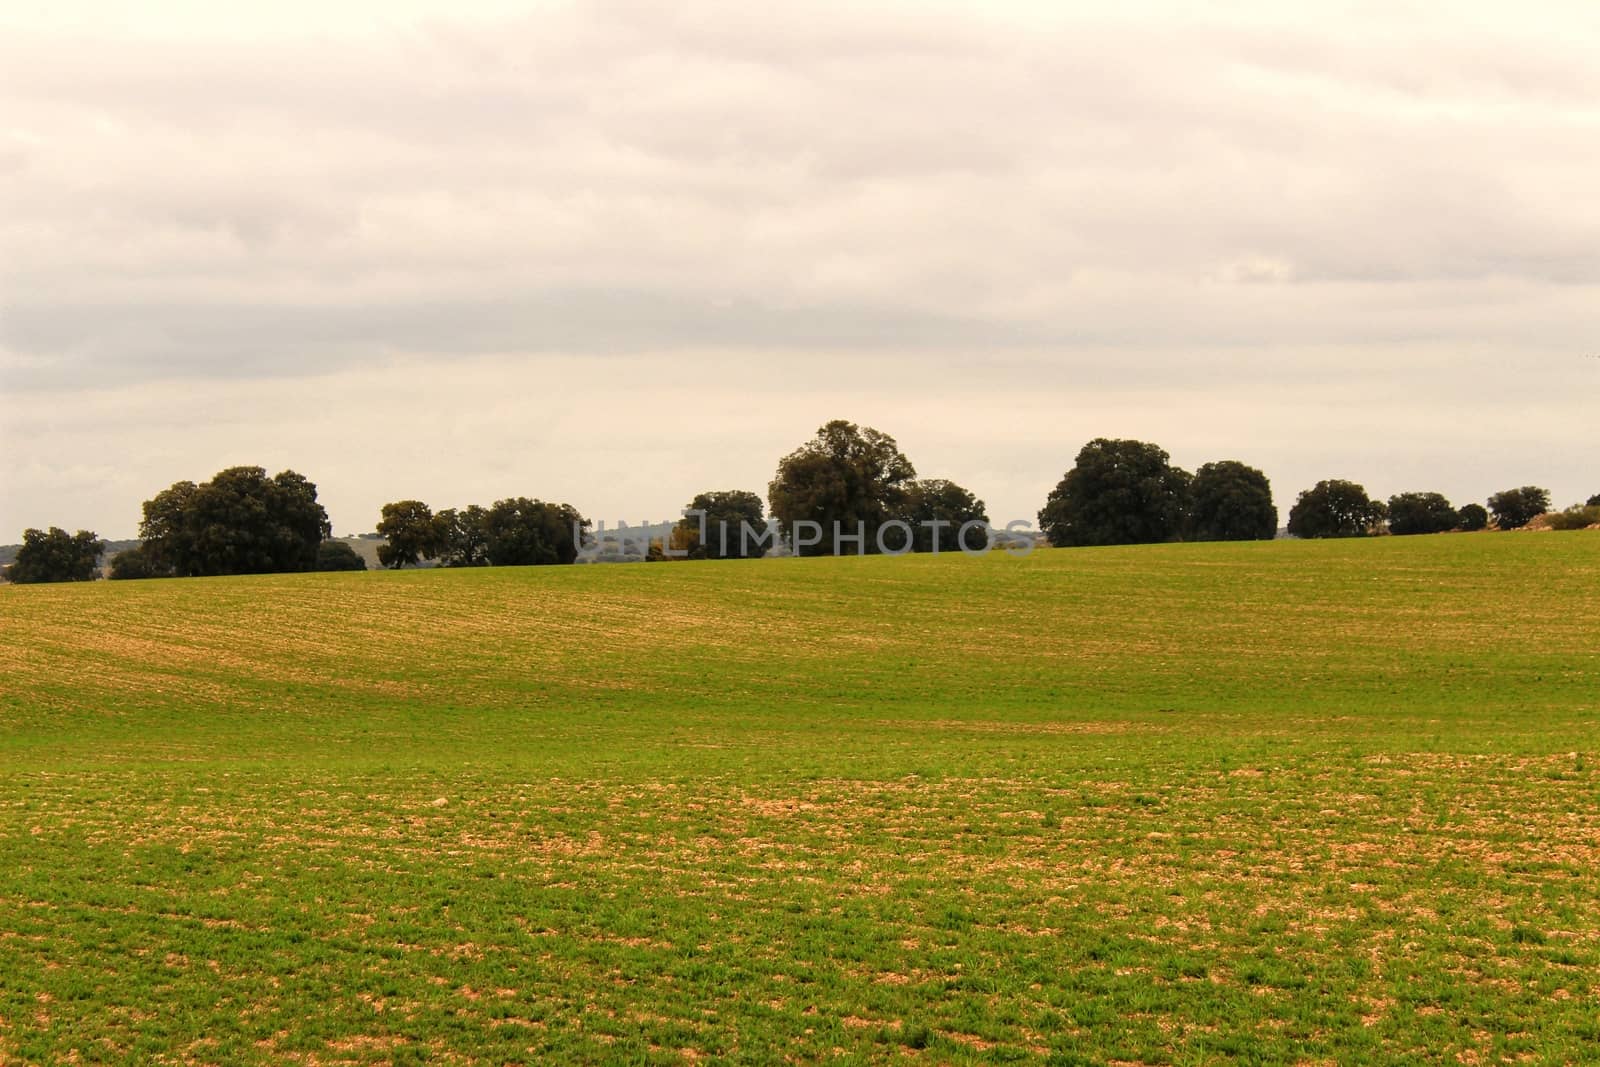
1421, 513
1473, 517
135, 563
338, 556
1575, 518
56, 556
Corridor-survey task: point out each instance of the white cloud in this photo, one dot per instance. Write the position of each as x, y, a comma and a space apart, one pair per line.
1054, 208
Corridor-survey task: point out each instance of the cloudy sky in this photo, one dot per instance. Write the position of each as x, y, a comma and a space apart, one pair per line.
616, 253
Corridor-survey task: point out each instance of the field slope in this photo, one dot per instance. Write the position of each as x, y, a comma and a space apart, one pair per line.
1279, 803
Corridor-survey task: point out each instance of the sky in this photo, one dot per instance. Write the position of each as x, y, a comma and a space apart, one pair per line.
618, 253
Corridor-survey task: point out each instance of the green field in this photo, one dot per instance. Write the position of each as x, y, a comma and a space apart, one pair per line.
1288, 802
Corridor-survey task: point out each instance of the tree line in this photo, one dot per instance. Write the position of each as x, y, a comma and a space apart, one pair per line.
239, 522
847, 479
849, 489
1128, 492
514, 532
1337, 508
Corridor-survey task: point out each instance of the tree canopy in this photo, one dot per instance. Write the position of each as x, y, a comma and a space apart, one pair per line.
56, 556
1473, 517
520, 531
339, 556
937, 510
846, 478
1229, 501
411, 534
240, 522
1335, 508
1515, 508
1421, 513
462, 540
133, 563
718, 532
514, 532
1119, 492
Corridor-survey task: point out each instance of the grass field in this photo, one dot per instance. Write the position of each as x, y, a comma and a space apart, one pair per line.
1286, 802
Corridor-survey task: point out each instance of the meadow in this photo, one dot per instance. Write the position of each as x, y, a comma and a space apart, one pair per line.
1285, 802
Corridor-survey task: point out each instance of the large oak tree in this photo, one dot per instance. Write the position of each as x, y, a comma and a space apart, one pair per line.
1119, 492
56, 556
847, 478
1515, 508
240, 522
1421, 513
1231, 502
731, 524
410, 532
937, 510
519, 532
1335, 508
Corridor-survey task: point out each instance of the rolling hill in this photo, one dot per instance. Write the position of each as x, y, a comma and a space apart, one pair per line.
1296, 801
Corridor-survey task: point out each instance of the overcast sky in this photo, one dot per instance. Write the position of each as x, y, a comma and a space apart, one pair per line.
617, 253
